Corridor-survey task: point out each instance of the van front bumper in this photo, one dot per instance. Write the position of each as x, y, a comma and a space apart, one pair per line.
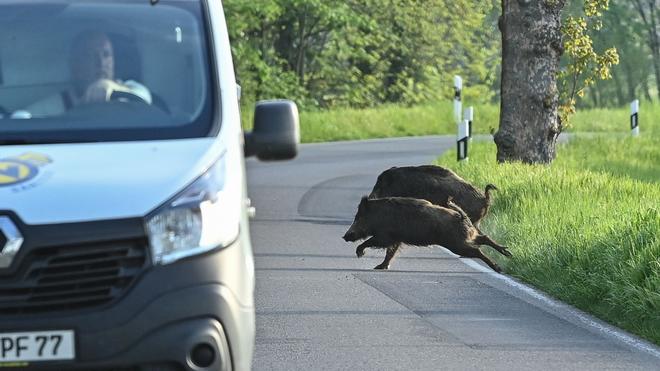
174, 316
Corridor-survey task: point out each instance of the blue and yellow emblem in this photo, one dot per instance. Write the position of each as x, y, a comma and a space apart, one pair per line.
19, 169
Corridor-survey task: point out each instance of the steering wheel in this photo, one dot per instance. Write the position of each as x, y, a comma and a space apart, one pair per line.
125, 96
156, 101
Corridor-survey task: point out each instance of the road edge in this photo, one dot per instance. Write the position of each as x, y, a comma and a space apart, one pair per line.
568, 312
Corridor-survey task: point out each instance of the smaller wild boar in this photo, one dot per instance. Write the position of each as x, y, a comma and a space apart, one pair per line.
435, 184
391, 221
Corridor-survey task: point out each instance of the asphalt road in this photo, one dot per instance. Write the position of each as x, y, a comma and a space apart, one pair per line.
321, 308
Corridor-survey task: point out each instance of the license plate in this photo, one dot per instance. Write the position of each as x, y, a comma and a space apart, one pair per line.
37, 346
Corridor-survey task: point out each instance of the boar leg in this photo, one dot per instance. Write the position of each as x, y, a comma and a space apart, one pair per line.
374, 241
391, 252
482, 239
474, 252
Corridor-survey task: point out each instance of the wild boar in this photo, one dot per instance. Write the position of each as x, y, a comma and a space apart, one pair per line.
435, 184
389, 222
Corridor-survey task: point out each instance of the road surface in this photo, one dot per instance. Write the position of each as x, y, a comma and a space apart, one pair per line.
321, 308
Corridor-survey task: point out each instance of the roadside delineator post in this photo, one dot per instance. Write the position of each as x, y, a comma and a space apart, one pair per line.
462, 125
462, 140
458, 87
469, 117
634, 117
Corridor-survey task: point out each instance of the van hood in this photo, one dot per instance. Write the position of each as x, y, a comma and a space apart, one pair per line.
63, 183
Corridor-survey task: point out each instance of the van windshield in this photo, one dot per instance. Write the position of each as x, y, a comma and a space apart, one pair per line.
103, 70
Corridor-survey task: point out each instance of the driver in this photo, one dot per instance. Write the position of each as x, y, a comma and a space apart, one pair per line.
92, 66
92, 69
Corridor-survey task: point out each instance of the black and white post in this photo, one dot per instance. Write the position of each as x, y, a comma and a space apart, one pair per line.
462, 140
462, 125
634, 117
458, 106
469, 117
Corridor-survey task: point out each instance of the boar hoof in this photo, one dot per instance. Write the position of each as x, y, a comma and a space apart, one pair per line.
507, 253
359, 252
382, 266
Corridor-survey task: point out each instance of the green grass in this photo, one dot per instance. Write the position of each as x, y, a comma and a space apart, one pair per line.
383, 122
386, 121
585, 229
396, 121
617, 119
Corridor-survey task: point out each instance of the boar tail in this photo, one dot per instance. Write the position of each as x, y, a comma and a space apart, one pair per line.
489, 187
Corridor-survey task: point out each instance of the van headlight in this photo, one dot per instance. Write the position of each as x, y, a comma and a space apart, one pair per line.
203, 217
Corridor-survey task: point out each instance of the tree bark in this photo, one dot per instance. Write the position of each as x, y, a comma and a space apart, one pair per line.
531, 49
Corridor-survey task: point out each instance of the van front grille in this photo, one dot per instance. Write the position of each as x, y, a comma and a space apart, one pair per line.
64, 278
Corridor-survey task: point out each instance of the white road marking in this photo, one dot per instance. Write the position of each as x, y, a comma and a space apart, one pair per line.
608, 330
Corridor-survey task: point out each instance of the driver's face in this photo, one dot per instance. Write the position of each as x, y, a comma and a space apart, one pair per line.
94, 60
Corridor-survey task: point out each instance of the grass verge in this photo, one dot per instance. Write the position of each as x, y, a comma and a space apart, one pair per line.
586, 229
397, 121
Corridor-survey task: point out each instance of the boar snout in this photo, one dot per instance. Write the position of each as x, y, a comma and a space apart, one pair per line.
350, 236
354, 233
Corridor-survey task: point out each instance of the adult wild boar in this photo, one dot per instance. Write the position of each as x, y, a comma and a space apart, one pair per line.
391, 221
435, 184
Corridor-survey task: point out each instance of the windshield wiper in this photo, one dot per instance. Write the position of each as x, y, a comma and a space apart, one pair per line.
10, 142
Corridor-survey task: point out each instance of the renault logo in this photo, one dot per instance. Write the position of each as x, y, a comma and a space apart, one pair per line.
10, 241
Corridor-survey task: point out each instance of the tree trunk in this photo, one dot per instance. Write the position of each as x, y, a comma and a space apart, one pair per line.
646, 89
531, 48
650, 20
656, 67
602, 97
619, 88
630, 79
594, 97
300, 57
655, 41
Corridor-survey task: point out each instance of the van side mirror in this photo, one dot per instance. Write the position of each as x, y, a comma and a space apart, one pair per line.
276, 131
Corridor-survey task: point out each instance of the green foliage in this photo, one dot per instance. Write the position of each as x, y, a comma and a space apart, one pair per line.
362, 53
586, 229
585, 66
261, 71
631, 79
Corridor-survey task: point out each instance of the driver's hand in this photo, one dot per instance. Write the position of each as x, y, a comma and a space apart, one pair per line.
100, 91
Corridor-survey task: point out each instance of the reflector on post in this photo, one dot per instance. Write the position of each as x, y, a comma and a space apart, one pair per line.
634, 117
469, 117
462, 141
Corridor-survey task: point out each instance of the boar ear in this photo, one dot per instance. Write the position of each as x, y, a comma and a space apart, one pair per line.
363, 202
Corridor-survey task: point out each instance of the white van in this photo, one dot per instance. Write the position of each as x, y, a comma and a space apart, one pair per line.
124, 240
